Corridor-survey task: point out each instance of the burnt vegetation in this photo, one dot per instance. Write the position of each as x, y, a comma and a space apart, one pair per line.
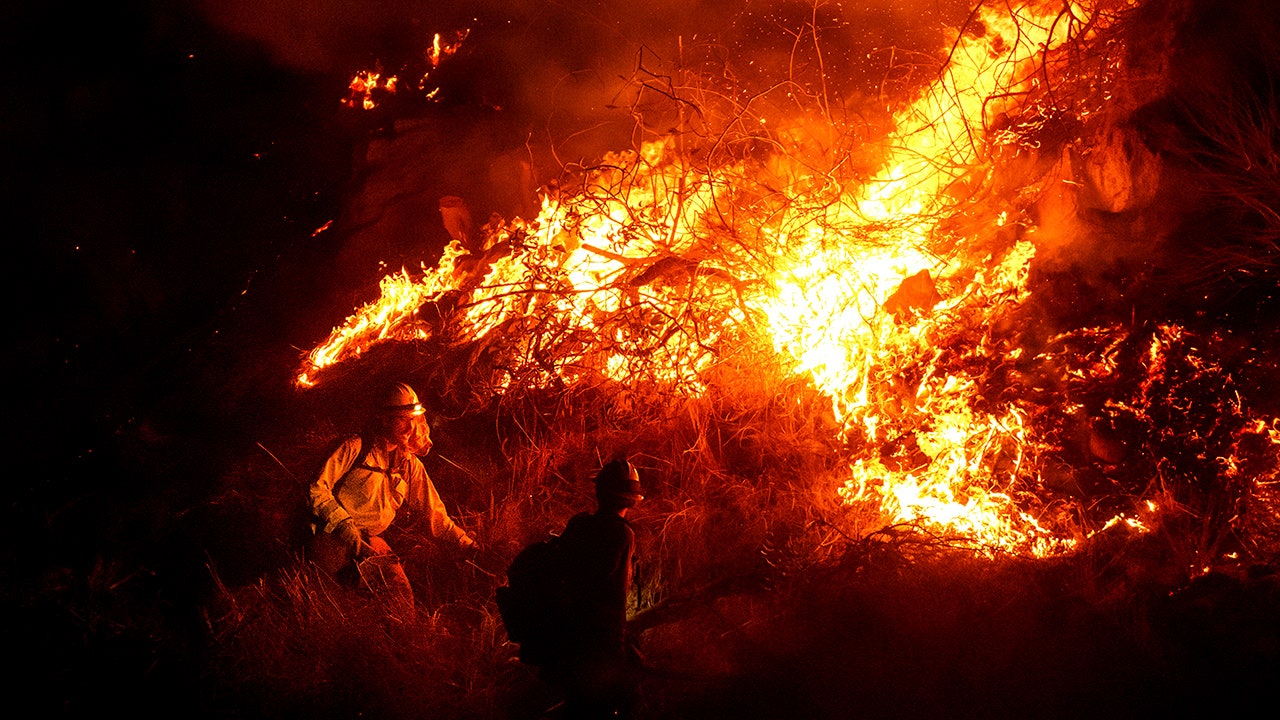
1142, 360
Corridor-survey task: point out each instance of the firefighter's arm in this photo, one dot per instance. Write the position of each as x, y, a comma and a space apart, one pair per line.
328, 511
433, 514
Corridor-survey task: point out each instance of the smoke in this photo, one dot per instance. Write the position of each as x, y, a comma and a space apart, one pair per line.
539, 86
580, 59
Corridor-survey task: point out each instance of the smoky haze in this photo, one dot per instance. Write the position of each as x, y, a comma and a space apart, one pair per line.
573, 61
538, 87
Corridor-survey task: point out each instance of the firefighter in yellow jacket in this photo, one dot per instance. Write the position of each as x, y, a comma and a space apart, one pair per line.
369, 482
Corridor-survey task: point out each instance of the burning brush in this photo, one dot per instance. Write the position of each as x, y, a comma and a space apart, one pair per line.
902, 298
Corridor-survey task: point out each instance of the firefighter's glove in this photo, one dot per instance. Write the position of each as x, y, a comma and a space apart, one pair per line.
470, 548
350, 535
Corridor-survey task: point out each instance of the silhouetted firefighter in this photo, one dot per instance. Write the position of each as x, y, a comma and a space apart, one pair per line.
369, 481
566, 601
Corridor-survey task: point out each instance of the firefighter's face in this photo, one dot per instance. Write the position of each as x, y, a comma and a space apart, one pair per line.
410, 432
420, 436
400, 428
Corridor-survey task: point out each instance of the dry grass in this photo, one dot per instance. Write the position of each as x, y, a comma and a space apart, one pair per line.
297, 644
757, 590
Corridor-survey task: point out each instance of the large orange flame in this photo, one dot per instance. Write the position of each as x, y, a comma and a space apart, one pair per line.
857, 290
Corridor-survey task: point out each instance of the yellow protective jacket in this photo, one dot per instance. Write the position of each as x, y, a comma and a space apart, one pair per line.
383, 485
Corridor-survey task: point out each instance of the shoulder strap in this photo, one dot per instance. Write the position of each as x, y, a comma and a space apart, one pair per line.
365, 447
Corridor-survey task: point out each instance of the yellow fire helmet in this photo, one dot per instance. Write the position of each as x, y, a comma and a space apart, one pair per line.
400, 398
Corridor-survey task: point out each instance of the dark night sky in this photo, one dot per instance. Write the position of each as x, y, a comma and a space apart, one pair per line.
159, 173
164, 180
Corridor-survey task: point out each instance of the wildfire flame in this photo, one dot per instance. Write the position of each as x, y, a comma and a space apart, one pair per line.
439, 51
859, 289
368, 88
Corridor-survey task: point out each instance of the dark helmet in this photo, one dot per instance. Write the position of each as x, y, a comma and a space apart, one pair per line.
398, 399
619, 480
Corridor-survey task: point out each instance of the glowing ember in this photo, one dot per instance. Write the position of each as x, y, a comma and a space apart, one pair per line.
368, 87
439, 51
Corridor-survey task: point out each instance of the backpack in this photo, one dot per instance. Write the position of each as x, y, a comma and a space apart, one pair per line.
535, 602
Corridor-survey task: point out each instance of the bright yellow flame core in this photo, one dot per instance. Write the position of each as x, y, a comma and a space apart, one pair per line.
817, 298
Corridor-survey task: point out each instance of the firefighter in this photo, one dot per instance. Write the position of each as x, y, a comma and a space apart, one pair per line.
594, 664
368, 482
